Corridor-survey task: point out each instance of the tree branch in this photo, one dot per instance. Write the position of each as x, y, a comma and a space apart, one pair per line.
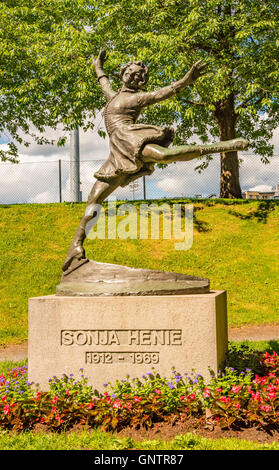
194, 103
246, 102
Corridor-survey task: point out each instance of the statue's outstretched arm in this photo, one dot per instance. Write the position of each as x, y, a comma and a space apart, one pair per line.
102, 77
164, 93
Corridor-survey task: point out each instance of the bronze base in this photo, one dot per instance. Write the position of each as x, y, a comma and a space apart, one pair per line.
94, 279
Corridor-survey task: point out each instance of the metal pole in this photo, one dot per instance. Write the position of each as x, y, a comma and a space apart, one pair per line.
74, 166
144, 188
60, 180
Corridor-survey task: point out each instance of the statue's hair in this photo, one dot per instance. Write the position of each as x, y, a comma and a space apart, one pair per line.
139, 63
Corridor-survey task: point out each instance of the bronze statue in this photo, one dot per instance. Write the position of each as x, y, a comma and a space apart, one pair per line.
135, 148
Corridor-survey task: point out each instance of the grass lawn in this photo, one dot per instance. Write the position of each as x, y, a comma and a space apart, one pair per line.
236, 245
98, 440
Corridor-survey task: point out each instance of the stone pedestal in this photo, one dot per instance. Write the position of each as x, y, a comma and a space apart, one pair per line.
112, 336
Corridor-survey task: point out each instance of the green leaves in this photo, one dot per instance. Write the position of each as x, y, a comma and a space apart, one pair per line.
46, 77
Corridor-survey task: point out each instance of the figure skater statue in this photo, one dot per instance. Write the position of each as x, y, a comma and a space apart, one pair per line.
135, 148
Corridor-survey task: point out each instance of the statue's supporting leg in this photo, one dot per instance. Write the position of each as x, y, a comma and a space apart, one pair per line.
184, 153
99, 192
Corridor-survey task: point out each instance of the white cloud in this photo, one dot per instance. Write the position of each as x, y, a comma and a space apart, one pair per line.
45, 197
261, 188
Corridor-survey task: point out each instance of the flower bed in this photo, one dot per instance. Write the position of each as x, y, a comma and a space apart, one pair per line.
237, 397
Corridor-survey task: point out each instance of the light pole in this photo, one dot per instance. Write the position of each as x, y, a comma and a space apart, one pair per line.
75, 193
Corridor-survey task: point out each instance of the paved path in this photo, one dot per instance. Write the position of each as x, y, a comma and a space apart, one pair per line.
18, 352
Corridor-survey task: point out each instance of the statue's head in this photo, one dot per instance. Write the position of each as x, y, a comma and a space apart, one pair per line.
134, 74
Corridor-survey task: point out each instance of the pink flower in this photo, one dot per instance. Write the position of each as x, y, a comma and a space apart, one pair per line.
91, 405
117, 404
53, 410
181, 397
108, 400
54, 400
59, 419
67, 392
225, 399
257, 380
129, 405
6, 409
158, 391
256, 396
4, 398
219, 390
206, 392
137, 399
237, 405
236, 388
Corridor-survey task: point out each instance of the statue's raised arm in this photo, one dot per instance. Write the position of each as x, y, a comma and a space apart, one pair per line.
101, 75
197, 70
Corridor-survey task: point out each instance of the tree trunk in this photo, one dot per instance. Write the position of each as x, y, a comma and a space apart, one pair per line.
229, 177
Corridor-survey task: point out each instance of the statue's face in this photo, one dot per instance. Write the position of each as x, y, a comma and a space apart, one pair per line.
135, 76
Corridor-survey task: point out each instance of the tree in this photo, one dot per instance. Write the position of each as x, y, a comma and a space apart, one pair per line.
46, 72
237, 38
47, 77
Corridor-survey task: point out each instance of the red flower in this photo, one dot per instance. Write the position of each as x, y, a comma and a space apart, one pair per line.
256, 396
158, 391
272, 395
236, 388
138, 399
54, 400
91, 405
6, 409
54, 410
226, 400
266, 408
117, 403
206, 392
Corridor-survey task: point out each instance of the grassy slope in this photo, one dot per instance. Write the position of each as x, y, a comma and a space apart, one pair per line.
235, 245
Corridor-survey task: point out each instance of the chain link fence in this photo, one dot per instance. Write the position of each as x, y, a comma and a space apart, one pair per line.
49, 181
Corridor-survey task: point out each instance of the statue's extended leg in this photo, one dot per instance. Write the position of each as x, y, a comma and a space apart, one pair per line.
99, 192
184, 153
